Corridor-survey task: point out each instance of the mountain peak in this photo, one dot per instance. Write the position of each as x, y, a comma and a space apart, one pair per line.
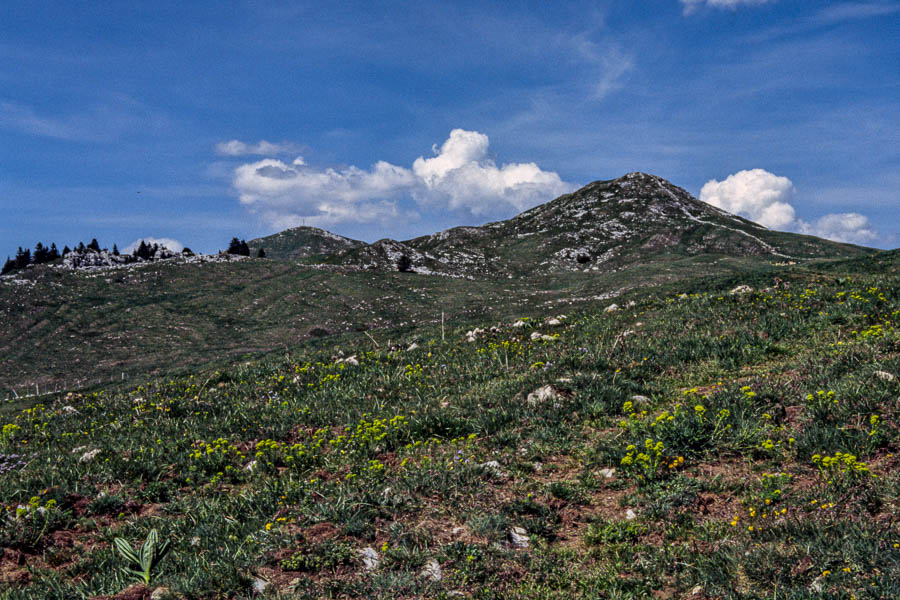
605, 226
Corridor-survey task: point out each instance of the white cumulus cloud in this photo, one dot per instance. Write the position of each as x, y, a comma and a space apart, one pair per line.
756, 194
460, 176
261, 148
692, 5
173, 245
767, 198
852, 228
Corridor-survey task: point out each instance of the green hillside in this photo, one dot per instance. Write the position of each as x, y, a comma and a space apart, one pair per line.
698, 443
307, 244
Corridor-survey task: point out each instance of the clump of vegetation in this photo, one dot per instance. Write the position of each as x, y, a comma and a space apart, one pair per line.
327, 555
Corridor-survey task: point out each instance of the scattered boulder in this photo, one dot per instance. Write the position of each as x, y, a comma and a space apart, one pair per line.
493, 467
260, 586
370, 558
161, 593
90, 456
543, 394
884, 376
473, 335
350, 360
520, 323
611, 308
553, 322
638, 400
432, 571
518, 538
740, 290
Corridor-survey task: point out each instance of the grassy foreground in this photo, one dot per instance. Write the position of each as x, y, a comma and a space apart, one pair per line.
702, 445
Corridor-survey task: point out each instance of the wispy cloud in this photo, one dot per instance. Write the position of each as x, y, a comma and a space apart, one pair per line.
851, 11
691, 6
25, 120
99, 123
260, 148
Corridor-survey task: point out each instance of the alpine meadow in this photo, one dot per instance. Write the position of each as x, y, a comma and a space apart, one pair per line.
641, 343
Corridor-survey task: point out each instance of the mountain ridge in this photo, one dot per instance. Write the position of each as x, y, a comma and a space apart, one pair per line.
604, 226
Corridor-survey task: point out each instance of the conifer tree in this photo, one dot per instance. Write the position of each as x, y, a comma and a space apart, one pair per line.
244, 249
94, 245
66, 250
115, 250
8, 266
40, 255
404, 264
23, 258
54, 253
81, 247
143, 251
234, 246
260, 253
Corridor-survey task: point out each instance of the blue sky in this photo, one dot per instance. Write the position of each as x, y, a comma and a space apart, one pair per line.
198, 121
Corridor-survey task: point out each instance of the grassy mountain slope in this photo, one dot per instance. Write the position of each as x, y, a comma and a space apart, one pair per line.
702, 445
602, 227
74, 329
307, 244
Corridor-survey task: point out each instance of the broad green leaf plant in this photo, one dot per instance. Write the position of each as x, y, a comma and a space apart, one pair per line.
142, 563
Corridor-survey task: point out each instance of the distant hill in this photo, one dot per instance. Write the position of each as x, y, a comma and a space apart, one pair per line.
303, 243
603, 227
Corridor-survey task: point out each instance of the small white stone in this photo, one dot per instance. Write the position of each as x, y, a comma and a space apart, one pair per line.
370, 558
250, 466
432, 571
630, 515
412, 347
884, 376
493, 467
89, 456
536, 335
518, 538
542, 394
260, 585
520, 323
611, 308
741, 289
68, 410
554, 323
607, 473
160, 593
